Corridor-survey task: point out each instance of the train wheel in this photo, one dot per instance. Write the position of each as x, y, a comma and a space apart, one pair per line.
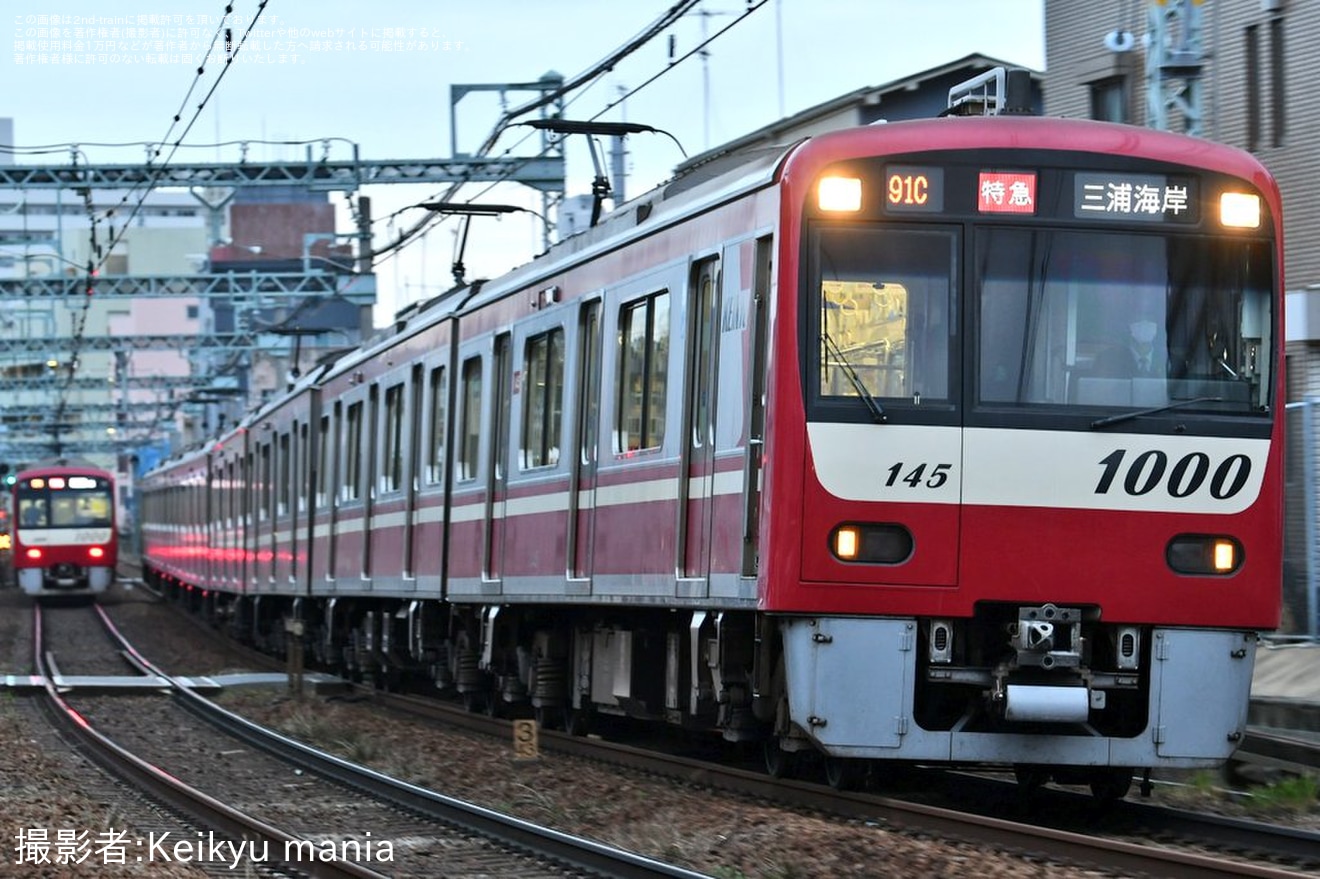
494, 706
576, 721
475, 702
548, 717
1111, 785
778, 762
1030, 778
845, 773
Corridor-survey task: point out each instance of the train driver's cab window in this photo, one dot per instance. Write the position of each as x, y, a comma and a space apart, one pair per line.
883, 329
65, 502
32, 512
1122, 319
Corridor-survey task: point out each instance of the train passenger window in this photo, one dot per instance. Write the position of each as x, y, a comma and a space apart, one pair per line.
503, 403
643, 373
469, 427
323, 462
885, 300
265, 486
589, 390
435, 455
543, 400
391, 477
704, 298
300, 480
352, 486
1122, 319
285, 477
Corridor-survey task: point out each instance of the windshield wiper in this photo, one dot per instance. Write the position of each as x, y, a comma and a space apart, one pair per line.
872, 405
1128, 416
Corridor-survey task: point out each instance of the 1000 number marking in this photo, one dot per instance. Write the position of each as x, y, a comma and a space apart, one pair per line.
1151, 469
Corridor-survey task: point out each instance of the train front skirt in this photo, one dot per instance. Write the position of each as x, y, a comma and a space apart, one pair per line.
853, 686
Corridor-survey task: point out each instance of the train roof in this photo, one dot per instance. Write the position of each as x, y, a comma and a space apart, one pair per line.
728, 176
63, 465
699, 190
1028, 132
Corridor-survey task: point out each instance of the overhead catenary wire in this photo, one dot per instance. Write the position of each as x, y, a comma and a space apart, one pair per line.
605, 65
582, 83
98, 254
590, 77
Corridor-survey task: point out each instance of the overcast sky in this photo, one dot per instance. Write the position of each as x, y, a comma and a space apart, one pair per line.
378, 74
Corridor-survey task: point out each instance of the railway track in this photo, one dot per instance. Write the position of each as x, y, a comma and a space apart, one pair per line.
1051, 825
1135, 837
414, 826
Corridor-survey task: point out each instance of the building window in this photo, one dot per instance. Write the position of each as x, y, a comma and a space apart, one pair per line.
1252, 55
1276, 83
1109, 99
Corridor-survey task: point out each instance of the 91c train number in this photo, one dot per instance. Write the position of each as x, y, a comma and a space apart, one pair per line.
1147, 471
910, 189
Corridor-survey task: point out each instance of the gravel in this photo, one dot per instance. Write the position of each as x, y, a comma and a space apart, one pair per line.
723, 835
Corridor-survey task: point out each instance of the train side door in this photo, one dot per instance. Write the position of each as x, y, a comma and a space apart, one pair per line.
585, 443
698, 450
496, 475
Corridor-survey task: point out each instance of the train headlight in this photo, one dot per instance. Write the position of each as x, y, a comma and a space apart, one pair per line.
847, 540
33, 553
871, 542
1240, 210
839, 194
1204, 554
96, 552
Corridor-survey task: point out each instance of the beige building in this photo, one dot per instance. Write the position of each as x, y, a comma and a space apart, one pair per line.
1238, 72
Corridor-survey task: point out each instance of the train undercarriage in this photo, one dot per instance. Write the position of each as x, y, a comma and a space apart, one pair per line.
1049, 690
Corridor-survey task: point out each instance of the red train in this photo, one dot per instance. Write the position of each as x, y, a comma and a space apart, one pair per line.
953, 441
65, 542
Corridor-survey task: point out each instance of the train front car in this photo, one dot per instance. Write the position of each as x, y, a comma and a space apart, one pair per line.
64, 542
1024, 447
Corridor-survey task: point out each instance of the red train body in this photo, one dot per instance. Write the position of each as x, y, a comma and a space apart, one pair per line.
65, 541
821, 449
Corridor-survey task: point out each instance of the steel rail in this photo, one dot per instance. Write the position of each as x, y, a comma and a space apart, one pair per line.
1062, 845
172, 792
571, 851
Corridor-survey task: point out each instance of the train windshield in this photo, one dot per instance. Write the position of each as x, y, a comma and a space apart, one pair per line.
65, 502
1119, 319
884, 312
